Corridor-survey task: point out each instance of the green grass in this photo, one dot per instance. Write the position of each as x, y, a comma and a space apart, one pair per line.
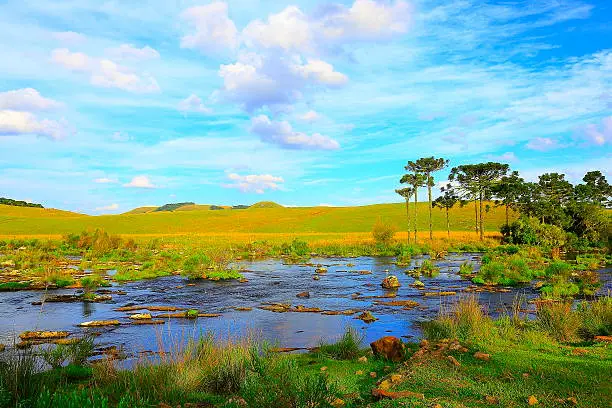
35, 221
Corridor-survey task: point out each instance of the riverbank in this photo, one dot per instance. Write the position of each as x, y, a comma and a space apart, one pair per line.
560, 358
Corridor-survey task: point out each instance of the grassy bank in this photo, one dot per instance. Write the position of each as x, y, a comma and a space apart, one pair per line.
469, 360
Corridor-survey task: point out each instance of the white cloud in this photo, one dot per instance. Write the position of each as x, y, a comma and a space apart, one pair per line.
310, 116
140, 182
129, 51
104, 72
110, 207
16, 123
322, 72
598, 135
294, 31
542, 144
253, 183
214, 31
69, 37
282, 134
26, 99
193, 103
505, 157
105, 180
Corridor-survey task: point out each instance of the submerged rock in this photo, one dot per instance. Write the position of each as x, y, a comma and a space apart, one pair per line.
133, 308
316, 277
405, 303
303, 295
243, 309
388, 347
141, 316
390, 282
277, 307
321, 270
100, 323
43, 335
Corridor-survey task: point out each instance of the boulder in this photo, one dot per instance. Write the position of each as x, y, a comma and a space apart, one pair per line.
482, 356
100, 323
303, 295
390, 282
141, 316
367, 317
389, 347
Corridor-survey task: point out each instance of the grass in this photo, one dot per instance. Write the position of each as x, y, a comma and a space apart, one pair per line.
348, 347
22, 221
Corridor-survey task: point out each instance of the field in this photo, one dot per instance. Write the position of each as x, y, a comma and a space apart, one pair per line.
244, 225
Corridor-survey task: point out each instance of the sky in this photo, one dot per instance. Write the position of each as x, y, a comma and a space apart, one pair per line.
110, 105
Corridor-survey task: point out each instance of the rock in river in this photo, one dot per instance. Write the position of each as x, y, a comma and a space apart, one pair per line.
141, 316
43, 335
100, 323
390, 282
303, 295
367, 317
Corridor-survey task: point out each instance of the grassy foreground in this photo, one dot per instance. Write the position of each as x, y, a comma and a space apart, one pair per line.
22, 221
470, 360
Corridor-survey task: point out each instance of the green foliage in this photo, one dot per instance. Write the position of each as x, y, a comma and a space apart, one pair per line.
348, 347
18, 203
9, 286
197, 265
383, 232
296, 249
92, 282
172, 207
60, 280
466, 268
428, 268
595, 318
55, 356
558, 320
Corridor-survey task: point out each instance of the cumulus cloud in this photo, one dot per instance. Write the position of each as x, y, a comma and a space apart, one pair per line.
140, 182
129, 51
105, 180
596, 134
332, 26
253, 183
17, 123
193, 103
542, 144
214, 31
104, 72
110, 207
282, 134
26, 99
274, 80
310, 116
69, 37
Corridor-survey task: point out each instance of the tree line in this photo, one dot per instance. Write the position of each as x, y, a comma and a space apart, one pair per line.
18, 203
552, 200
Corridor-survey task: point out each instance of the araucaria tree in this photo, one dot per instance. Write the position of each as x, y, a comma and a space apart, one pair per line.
426, 166
477, 182
447, 201
407, 194
415, 180
508, 192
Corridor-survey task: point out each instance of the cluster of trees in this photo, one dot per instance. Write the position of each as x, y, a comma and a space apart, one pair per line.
552, 200
18, 203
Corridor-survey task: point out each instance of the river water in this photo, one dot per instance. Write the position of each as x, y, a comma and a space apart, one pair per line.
269, 281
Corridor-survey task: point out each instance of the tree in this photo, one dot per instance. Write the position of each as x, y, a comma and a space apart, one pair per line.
508, 191
477, 181
447, 201
596, 189
427, 166
407, 193
554, 194
415, 180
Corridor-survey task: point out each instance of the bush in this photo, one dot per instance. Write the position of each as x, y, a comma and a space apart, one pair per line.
383, 232
466, 321
347, 348
466, 268
558, 320
595, 318
196, 266
428, 268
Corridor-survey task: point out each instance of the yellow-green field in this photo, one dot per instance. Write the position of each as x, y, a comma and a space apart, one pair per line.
311, 223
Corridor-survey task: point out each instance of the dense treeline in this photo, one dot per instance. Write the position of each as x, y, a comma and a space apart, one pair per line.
552, 210
18, 203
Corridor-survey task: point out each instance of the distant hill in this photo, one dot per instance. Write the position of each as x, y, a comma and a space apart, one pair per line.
266, 204
172, 206
141, 210
18, 203
194, 207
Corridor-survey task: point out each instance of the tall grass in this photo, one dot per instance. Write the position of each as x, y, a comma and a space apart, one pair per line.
348, 347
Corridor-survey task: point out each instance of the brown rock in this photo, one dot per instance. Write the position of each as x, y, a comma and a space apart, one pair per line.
532, 400
389, 347
579, 351
2, 347
141, 316
453, 361
43, 335
405, 303
390, 282
373, 374
606, 339
367, 317
482, 356
99, 323
243, 309
380, 394
396, 378
303, 295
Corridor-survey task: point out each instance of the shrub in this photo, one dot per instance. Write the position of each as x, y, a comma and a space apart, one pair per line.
466, 321
558, 320
347, 348
55, 356
466, 268
383, 232
196, 266
595, 318
428, 268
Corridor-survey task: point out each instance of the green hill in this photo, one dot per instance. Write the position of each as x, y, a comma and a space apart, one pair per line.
266, 204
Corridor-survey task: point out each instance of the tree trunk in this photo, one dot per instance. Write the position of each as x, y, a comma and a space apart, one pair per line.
415, 215
447, 223
507, 223
481, 218
429, 198
408, 217
476, 213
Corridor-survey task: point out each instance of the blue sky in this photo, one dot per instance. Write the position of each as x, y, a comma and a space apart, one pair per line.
110, 105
